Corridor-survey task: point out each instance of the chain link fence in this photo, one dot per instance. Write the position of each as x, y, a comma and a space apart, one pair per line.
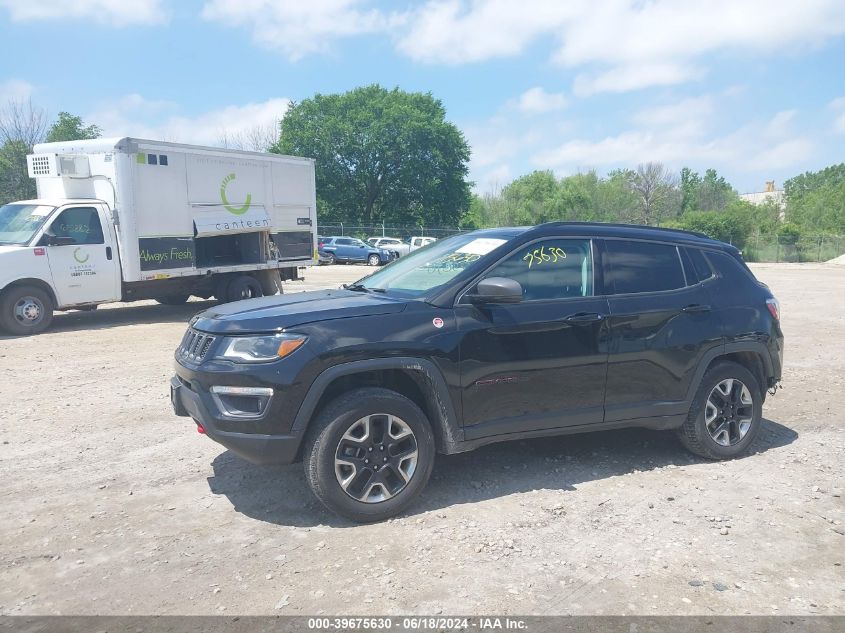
403, 232
773, 248
760, 248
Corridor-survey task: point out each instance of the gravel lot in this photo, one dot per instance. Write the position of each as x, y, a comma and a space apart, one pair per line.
115, 506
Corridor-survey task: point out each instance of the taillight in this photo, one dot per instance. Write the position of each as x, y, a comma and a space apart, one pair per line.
774, 308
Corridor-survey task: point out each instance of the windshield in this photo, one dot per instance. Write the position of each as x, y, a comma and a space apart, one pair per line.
19, 222
432, 266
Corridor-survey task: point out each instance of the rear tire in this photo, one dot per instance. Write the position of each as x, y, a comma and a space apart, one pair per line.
726, 413
244, 287
369, 454
25, 310
173, 300
332, 259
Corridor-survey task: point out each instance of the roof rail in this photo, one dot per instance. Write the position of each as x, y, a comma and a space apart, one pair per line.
644, 227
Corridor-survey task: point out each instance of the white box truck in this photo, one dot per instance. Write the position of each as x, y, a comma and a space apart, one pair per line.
126, 219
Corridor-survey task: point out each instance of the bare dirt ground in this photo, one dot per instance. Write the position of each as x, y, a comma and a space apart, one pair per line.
111, 505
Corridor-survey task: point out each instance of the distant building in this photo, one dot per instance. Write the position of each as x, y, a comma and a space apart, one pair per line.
761, 197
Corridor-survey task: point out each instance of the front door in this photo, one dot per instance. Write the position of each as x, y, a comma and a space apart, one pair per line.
85, 271
542, 363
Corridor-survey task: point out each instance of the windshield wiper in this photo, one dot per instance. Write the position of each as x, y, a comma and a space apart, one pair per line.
362, 288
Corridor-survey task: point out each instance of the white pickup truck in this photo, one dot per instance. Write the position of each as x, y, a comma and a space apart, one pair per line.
126, 219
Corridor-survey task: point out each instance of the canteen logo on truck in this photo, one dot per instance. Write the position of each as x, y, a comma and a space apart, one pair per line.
229, 207
80, 256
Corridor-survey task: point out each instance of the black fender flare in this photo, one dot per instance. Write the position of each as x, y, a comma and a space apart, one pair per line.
755, 347
448, 432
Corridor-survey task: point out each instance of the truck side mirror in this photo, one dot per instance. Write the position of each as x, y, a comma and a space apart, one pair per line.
57, 240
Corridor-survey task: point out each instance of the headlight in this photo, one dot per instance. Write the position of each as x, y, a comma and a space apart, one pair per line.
260, 349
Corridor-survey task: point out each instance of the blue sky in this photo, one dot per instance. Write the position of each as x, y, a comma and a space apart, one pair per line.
753, 88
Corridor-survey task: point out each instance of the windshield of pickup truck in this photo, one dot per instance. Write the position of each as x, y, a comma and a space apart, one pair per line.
430, 266
19, 222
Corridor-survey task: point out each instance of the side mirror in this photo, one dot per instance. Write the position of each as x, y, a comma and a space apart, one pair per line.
57, 240
497, 290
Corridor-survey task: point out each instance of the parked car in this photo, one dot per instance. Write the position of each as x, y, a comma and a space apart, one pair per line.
392, 244
341, 249
418, 242
484, 337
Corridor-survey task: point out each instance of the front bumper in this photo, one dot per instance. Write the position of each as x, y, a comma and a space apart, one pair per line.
192, 401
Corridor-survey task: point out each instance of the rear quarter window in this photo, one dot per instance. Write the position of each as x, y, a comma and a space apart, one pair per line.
700, 264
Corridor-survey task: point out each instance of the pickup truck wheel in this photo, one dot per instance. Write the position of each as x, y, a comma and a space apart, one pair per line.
244, 287
25, 310
726, 414
374, 260
173, 300
368, 454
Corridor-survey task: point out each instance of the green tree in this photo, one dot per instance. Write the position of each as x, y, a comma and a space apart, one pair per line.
710, 193
733, 225
22, 125
816, 200
690, 184
69, 127
381, 156
656, 193
15, 183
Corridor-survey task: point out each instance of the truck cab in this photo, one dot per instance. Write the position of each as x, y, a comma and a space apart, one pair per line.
54, 254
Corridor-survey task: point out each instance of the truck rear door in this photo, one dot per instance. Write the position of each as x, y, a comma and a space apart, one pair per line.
83, 259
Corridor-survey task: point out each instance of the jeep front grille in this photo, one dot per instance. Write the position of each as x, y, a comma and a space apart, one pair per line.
194, 345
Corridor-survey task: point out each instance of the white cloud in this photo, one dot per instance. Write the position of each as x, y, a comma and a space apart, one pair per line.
839, 121
759, 146
538, 101
839, 124
494, 180
15, 90
116, 12
135, 116
457, 32
633, 77
620, 44
298, 28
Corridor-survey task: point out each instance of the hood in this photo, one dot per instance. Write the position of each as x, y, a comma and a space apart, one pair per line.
279, 312
4, 248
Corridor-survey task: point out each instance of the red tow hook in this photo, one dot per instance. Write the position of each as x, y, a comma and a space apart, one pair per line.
200, 430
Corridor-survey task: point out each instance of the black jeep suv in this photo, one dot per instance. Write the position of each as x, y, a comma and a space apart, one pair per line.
493, 335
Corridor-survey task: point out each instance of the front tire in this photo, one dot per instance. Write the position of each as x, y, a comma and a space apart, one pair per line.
369, 454
25, 310
373, 260
726, 414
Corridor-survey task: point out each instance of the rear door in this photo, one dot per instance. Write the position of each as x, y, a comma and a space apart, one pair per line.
538, 364
661, 325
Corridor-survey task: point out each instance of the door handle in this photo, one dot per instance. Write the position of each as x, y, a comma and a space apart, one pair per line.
584, 318
696, 307
108, 253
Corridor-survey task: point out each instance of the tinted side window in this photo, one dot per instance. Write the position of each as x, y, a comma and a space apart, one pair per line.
700, 264
642, 267
341, 241
80, 223
550, 269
